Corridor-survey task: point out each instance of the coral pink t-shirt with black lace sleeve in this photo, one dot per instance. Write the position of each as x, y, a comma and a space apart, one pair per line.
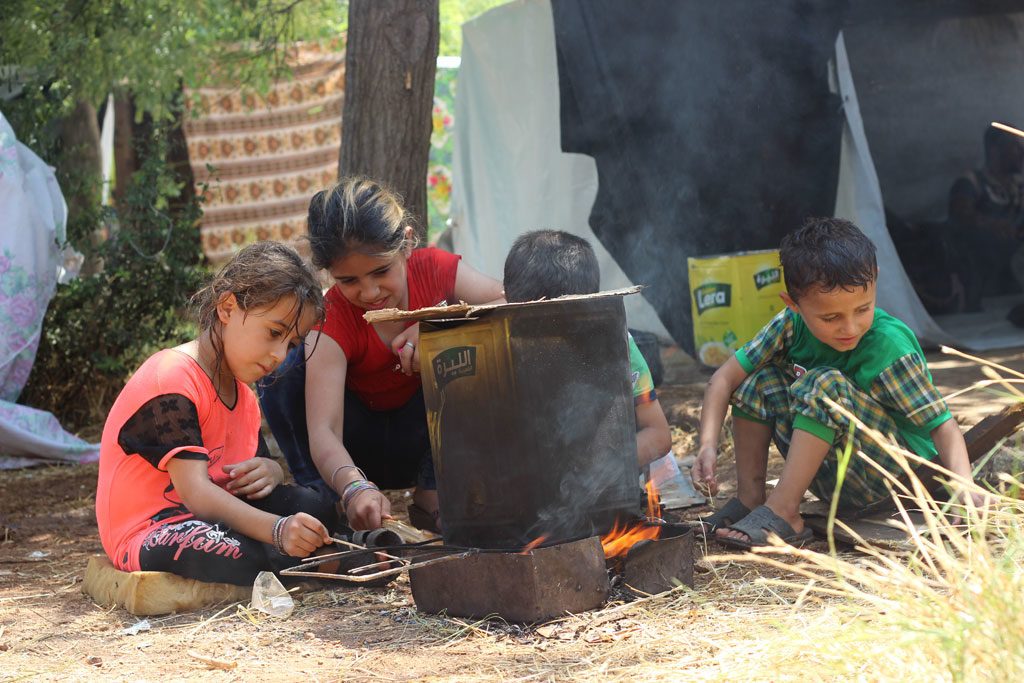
169, 408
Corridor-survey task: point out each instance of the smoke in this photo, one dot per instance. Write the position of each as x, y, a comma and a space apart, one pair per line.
585, 421
711, 123
598, 477
538, 437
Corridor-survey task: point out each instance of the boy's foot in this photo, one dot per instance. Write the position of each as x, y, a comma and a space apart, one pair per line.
753, 530
733, 511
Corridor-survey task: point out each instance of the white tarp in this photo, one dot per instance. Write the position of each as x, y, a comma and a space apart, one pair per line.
859, 199
510, 175
33, 218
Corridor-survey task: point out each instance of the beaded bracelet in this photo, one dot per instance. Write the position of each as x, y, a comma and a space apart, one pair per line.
339, 468
354, 489
278, 534
354, 483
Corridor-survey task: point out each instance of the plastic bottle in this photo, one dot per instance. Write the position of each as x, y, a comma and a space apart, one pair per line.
269, 596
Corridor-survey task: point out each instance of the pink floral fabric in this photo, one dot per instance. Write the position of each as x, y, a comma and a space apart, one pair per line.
32, 224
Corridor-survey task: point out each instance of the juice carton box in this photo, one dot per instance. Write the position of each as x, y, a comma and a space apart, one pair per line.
733, 296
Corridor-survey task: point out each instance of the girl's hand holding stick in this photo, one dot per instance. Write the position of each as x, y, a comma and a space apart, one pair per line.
301, 534
367, 509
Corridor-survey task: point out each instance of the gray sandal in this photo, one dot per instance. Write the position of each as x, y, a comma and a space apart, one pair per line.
733, 511
758, 524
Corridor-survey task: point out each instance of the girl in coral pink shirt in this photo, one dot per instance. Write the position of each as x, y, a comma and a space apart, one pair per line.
185, 484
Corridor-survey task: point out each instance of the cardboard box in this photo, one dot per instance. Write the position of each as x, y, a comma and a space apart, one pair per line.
732, 297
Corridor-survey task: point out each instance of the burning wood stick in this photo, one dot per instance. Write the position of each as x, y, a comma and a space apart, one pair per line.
1008, 129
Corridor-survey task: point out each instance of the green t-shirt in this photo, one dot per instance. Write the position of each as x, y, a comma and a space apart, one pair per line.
640, 374
887, 364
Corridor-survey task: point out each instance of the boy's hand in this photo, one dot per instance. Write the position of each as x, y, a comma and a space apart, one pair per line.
254, 478
302, 534
703, 471
964, 498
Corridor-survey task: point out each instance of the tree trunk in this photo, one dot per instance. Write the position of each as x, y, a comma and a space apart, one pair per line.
128, 135
126, 160
80, 133
390, 62
82, 162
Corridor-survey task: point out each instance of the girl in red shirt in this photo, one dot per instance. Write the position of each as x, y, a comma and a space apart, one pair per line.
185, 482
348, 409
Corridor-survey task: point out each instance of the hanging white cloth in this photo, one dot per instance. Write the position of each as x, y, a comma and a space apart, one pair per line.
33, 217
859, 199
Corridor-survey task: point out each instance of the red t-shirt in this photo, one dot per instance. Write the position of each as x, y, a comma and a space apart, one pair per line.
431, 278
168, 408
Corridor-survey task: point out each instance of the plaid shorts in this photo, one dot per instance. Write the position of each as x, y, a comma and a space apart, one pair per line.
766, 396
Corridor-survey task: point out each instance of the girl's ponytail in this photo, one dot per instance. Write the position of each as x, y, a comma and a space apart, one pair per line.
356, 214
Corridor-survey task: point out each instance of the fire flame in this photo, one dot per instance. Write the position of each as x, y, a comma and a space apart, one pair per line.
533, 544
618, 541
653, 501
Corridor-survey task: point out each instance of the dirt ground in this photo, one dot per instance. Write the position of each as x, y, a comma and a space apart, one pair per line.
50, 630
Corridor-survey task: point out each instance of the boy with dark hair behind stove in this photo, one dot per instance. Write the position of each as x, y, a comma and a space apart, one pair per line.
546, 264
830, 342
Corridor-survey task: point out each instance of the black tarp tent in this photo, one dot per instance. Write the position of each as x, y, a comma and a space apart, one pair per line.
663, 130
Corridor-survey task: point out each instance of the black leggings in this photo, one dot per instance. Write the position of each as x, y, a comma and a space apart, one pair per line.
215, 552
391, 446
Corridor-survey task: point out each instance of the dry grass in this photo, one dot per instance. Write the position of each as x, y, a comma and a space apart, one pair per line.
950, 610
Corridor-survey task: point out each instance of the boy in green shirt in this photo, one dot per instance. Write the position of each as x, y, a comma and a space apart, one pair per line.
829, 342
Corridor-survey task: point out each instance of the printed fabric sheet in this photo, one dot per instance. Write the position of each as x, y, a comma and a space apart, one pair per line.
257, 160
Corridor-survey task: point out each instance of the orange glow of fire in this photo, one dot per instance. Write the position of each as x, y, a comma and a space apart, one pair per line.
618, 541
533, 544
653, 501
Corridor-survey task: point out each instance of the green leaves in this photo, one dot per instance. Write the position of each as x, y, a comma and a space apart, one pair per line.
146, 47
100, 327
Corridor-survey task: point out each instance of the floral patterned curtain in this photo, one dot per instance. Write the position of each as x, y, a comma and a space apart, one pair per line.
258, 160
439, 171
